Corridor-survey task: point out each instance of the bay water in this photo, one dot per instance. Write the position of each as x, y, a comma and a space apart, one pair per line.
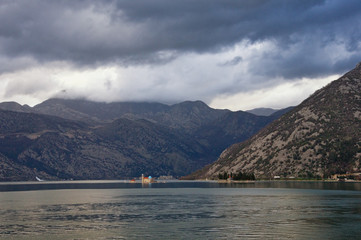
180, 210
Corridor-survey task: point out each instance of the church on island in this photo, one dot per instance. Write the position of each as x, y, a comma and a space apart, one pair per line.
147, 179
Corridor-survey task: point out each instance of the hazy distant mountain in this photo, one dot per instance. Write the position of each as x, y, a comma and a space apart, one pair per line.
230, 128
319, 137
78, 139
262, 111
281, 112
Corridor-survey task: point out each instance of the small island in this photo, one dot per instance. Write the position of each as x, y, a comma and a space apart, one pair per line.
147, 179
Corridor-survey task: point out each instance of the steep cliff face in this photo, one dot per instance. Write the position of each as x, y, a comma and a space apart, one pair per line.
319, 137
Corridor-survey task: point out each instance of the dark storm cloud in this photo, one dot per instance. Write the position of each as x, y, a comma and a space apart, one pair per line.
88, 33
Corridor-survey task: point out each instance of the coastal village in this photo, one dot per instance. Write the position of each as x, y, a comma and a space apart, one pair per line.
347, 177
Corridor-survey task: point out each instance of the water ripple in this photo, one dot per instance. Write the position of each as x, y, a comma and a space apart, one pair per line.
168, 213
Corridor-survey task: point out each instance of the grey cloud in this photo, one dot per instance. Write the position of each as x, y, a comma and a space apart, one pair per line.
13, 64
26, 87
88, 33
232, 62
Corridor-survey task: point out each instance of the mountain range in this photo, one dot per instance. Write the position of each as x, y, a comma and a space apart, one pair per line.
80, 139
317, 139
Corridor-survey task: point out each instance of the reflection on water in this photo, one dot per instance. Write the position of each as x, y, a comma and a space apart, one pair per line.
193, 212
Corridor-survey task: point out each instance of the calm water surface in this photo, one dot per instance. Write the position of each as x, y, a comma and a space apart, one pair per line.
180, 210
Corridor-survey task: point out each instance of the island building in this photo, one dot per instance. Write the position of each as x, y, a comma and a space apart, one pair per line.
147, 179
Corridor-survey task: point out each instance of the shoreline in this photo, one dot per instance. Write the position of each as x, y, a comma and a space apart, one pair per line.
282, 180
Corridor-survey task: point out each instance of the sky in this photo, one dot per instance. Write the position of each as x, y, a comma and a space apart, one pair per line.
237, 55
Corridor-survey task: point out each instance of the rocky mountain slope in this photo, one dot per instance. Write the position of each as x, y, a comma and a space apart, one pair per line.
318, 138
78, 139
54, 148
